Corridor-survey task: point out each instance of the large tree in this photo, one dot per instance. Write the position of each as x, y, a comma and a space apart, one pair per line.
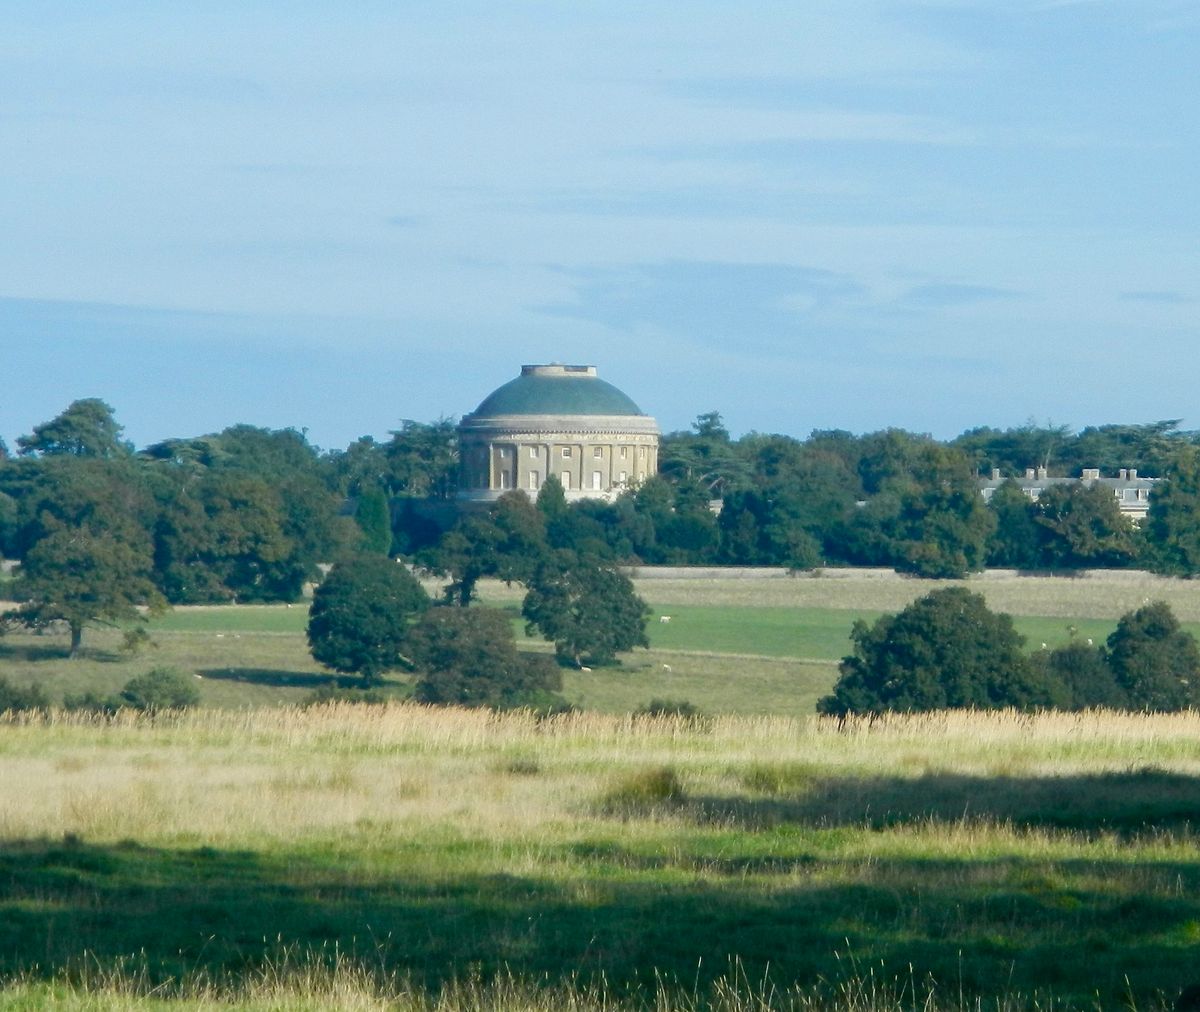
946, 650
83, 536
85, 574
1082, 526
588, 611
86, 428
924, 514
1155, 662
361, 615
1172, 527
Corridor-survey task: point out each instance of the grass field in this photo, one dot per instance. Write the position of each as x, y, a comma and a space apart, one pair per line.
253, 855
347, 857
731, 646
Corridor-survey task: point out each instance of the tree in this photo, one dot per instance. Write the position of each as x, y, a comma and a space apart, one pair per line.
423, 459
1172, 527
361, 615
1083, 526
506, 542
587, 610
85, 574
86, 428
946, 650
468, 657
1078, 676
86, 552
926, 515
1017, 539
1155, 662
374, 520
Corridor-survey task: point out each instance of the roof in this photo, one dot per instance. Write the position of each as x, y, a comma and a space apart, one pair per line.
556, 390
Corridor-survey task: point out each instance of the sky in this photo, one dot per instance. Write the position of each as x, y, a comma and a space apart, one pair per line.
850, 214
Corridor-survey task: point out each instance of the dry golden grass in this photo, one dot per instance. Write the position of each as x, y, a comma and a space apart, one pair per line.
273, 773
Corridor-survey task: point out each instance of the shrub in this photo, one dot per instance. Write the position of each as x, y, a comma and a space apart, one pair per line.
1078, 677
341, 694
648, 788
17, 697
667, 708
468, 657
159, 689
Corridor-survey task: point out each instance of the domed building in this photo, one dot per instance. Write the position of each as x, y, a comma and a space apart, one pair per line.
560, 420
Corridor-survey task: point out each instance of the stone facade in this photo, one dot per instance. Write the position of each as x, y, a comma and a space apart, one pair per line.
556, 420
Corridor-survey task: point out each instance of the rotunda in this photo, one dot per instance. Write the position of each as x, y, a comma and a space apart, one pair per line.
560, 420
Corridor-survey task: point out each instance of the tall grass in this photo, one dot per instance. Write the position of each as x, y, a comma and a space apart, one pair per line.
403, 856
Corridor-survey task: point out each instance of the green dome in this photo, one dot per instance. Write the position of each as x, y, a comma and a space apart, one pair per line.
556, 390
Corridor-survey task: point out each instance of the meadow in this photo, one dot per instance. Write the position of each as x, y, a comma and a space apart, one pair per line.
746, 646
256, 854
400, 857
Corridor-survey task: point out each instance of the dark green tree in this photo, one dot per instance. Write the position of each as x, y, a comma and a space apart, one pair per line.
361, 616
507, 542
946, 650
82, 534
87, 428
1018, 538
586, 610
926, 515
374, 519
85, 574
1172, 528
1155, 662
1083, 526
468, 657
423, 459
1078, 676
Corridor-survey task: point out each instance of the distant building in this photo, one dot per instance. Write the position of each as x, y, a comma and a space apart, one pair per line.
560, 420
1131, 491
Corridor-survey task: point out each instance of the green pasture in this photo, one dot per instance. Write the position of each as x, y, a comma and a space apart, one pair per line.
720, 650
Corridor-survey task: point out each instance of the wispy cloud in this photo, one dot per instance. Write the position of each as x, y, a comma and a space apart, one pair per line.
1165, 298
710, 303
944, 295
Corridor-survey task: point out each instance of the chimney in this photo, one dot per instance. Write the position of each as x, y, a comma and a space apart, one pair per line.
1123, 473
1133, 474
1029, 474
1041, 473
1090, 474
995, 474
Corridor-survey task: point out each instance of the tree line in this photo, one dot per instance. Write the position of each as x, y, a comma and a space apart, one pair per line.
948, 650
246, 514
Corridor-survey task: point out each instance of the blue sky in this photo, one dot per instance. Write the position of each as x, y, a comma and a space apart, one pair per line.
844, 214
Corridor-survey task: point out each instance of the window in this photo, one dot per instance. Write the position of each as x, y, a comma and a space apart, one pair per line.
566, 480
504, 451
624, 452
533, 454
504, 476
623, 477
534, 480
641, 453
597, 452
566, 451
597, 481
